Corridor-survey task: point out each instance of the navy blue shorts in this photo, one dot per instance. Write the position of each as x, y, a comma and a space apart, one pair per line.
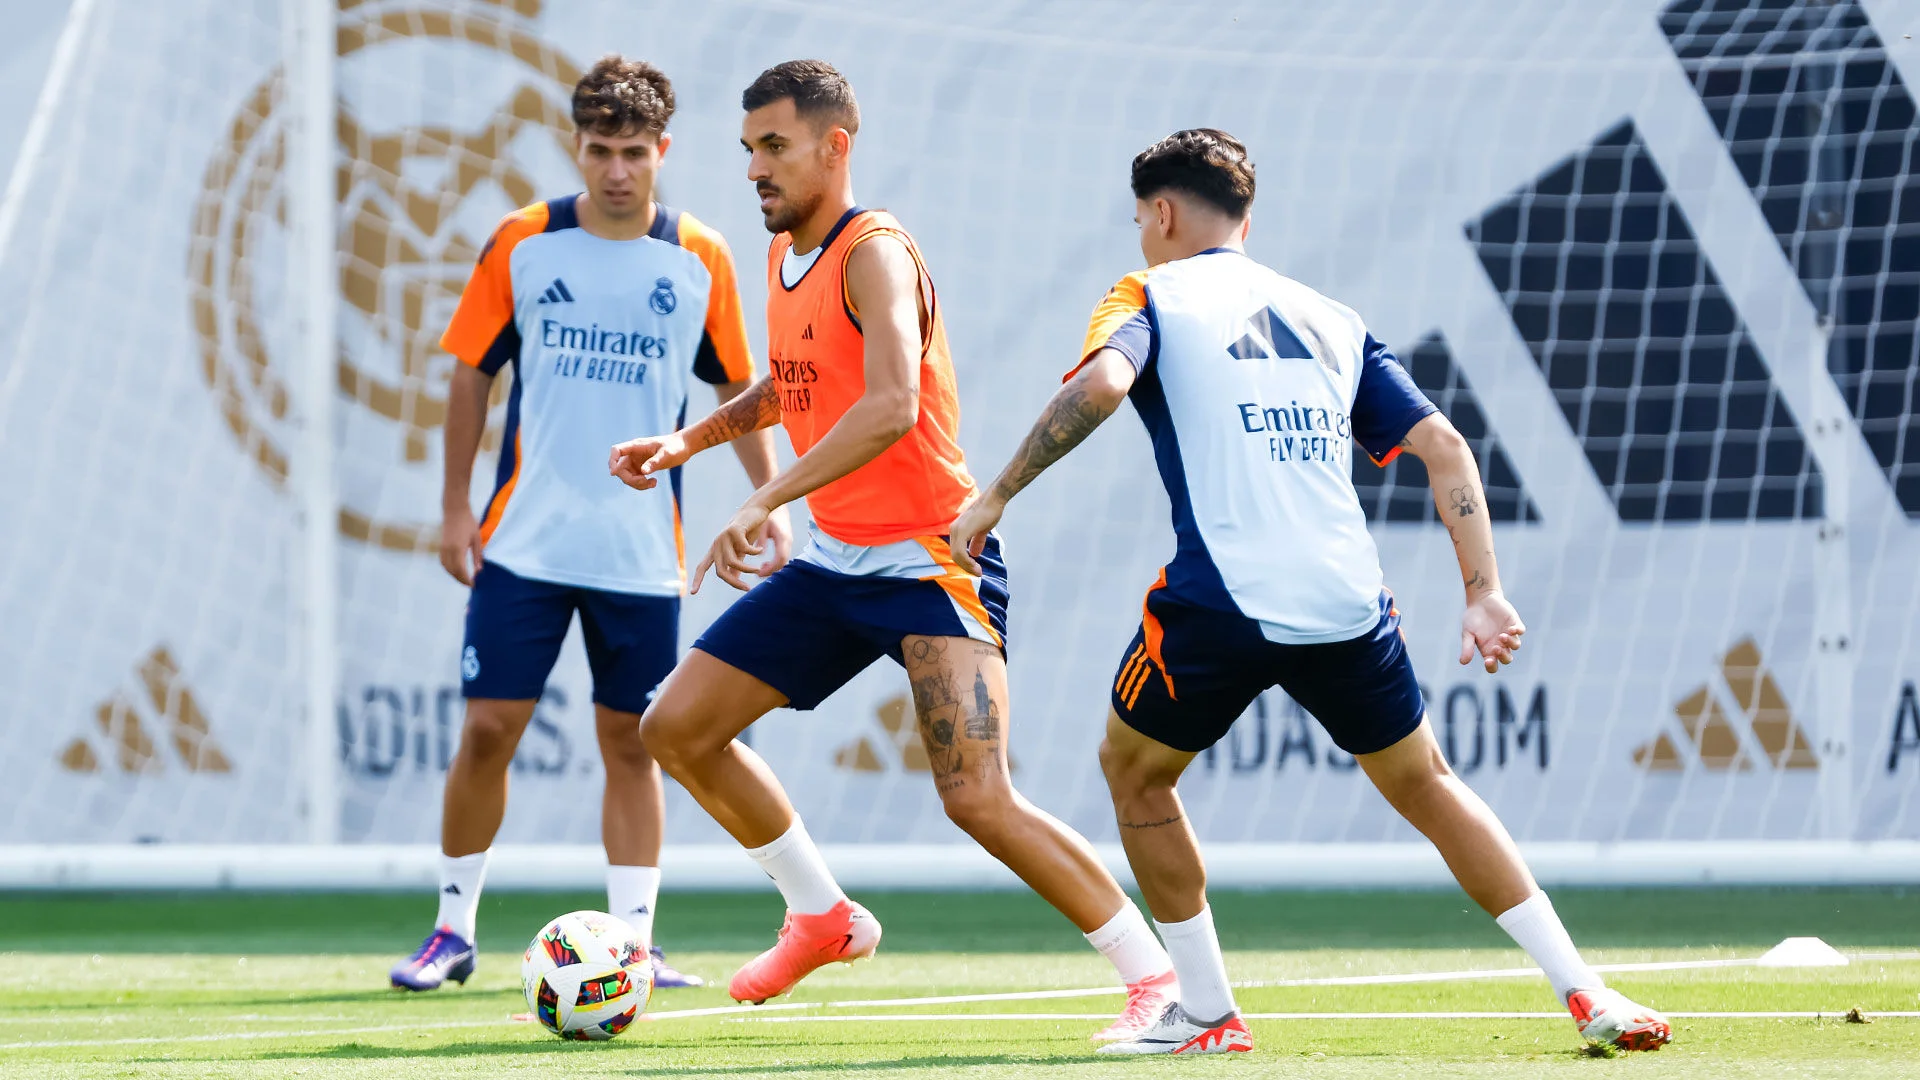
1191, 671
515, 627
807, 631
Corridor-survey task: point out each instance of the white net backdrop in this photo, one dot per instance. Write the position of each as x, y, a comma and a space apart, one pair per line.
1541, 209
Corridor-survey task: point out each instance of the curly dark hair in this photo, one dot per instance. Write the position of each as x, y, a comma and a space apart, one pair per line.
619, 96
819, 92
1206, 163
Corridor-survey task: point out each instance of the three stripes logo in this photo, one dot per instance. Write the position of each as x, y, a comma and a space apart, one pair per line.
807, 334
1134, 674
1735, 723
126, 721
556, 293
1268, 337
899, 744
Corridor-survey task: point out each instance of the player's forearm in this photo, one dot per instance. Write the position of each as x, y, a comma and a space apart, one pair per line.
466, 421
1462, 504
863, 432
1079, 407
756, 407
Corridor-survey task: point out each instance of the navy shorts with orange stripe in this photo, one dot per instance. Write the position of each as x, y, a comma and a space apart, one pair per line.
1191, 671
808, 630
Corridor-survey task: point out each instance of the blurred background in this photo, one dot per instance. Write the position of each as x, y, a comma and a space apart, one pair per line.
1660, 261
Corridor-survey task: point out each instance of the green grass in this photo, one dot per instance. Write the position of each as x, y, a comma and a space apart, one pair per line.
282, 985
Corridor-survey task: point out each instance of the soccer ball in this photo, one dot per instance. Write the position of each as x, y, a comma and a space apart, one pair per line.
586, 976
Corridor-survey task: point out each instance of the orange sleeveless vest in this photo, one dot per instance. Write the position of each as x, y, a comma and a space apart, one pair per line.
815, 352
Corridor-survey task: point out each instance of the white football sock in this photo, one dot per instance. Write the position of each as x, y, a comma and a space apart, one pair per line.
1534, 927
1127, 942
799, 872
460, 881
632, 894
1204, 991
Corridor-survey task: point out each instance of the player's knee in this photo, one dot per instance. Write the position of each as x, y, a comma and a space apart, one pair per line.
981, 811
673, 735
1130, 774
490, 734
620, 744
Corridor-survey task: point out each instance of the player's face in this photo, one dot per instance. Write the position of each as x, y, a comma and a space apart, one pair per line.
789, 162
620, 170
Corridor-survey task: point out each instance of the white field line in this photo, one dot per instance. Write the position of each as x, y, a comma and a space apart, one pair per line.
1096, 1017
1020, 995
153, 1040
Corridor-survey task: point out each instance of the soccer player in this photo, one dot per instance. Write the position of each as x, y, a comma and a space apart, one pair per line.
1252, 388
861, 378
607, 304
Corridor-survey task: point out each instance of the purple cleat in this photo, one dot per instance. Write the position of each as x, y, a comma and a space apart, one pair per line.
665, 977
444, 955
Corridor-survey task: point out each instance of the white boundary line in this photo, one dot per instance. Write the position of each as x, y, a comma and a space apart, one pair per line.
1095, 1017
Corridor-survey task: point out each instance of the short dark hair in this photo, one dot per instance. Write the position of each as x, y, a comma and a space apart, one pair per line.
818, 91
619, 96
1206, 163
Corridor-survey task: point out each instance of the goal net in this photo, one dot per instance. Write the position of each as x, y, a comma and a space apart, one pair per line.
1659, 260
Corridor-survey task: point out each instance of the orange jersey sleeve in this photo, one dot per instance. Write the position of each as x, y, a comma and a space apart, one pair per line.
1122, 321
482, 333
724, 354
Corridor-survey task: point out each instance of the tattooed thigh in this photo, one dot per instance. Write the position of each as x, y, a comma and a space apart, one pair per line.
960, 696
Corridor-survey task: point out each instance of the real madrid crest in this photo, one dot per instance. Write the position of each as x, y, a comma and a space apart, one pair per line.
482, 127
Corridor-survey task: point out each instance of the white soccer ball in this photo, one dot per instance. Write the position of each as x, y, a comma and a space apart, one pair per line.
586, 976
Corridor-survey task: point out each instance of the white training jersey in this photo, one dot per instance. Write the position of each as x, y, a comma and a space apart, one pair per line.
1253, 387
604, 337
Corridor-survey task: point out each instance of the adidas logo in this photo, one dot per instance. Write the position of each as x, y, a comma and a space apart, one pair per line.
641, 910
1711, 735
807, 334
451, 890
1269, 337
900, 746
125, 722
556, 293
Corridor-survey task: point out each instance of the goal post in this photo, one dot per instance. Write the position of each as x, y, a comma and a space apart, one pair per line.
1656, 259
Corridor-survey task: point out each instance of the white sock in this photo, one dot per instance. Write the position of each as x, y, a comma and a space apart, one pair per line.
1534, 927
460, 881
1127, 942
1195, 948
632, 894
799, 872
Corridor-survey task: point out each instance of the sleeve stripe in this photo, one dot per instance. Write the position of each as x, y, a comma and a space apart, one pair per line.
1126, 301
726, 327
478, 334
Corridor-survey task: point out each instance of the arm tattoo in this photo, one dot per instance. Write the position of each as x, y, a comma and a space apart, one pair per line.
1477, 581
1150, 824
1463, 501
1069, 418
755, 407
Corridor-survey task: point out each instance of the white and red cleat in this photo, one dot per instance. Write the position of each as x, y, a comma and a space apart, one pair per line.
1606, 1016
1146, 1000
845, 933
1177, 1033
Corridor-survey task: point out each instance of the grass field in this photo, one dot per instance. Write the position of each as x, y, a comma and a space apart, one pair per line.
270, 986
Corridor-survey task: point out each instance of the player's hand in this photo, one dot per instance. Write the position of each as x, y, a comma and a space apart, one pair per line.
744, 536
459, 538
780, 532
968, 536
637, 460
1491, 628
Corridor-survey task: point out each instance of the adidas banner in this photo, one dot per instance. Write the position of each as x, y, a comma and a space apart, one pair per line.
1652, 257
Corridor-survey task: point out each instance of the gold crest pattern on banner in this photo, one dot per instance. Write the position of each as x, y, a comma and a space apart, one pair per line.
404, 255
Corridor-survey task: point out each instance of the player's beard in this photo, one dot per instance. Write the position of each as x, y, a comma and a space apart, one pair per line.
789, 211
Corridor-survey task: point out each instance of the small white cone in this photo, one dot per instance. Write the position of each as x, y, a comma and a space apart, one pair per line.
1802, 952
